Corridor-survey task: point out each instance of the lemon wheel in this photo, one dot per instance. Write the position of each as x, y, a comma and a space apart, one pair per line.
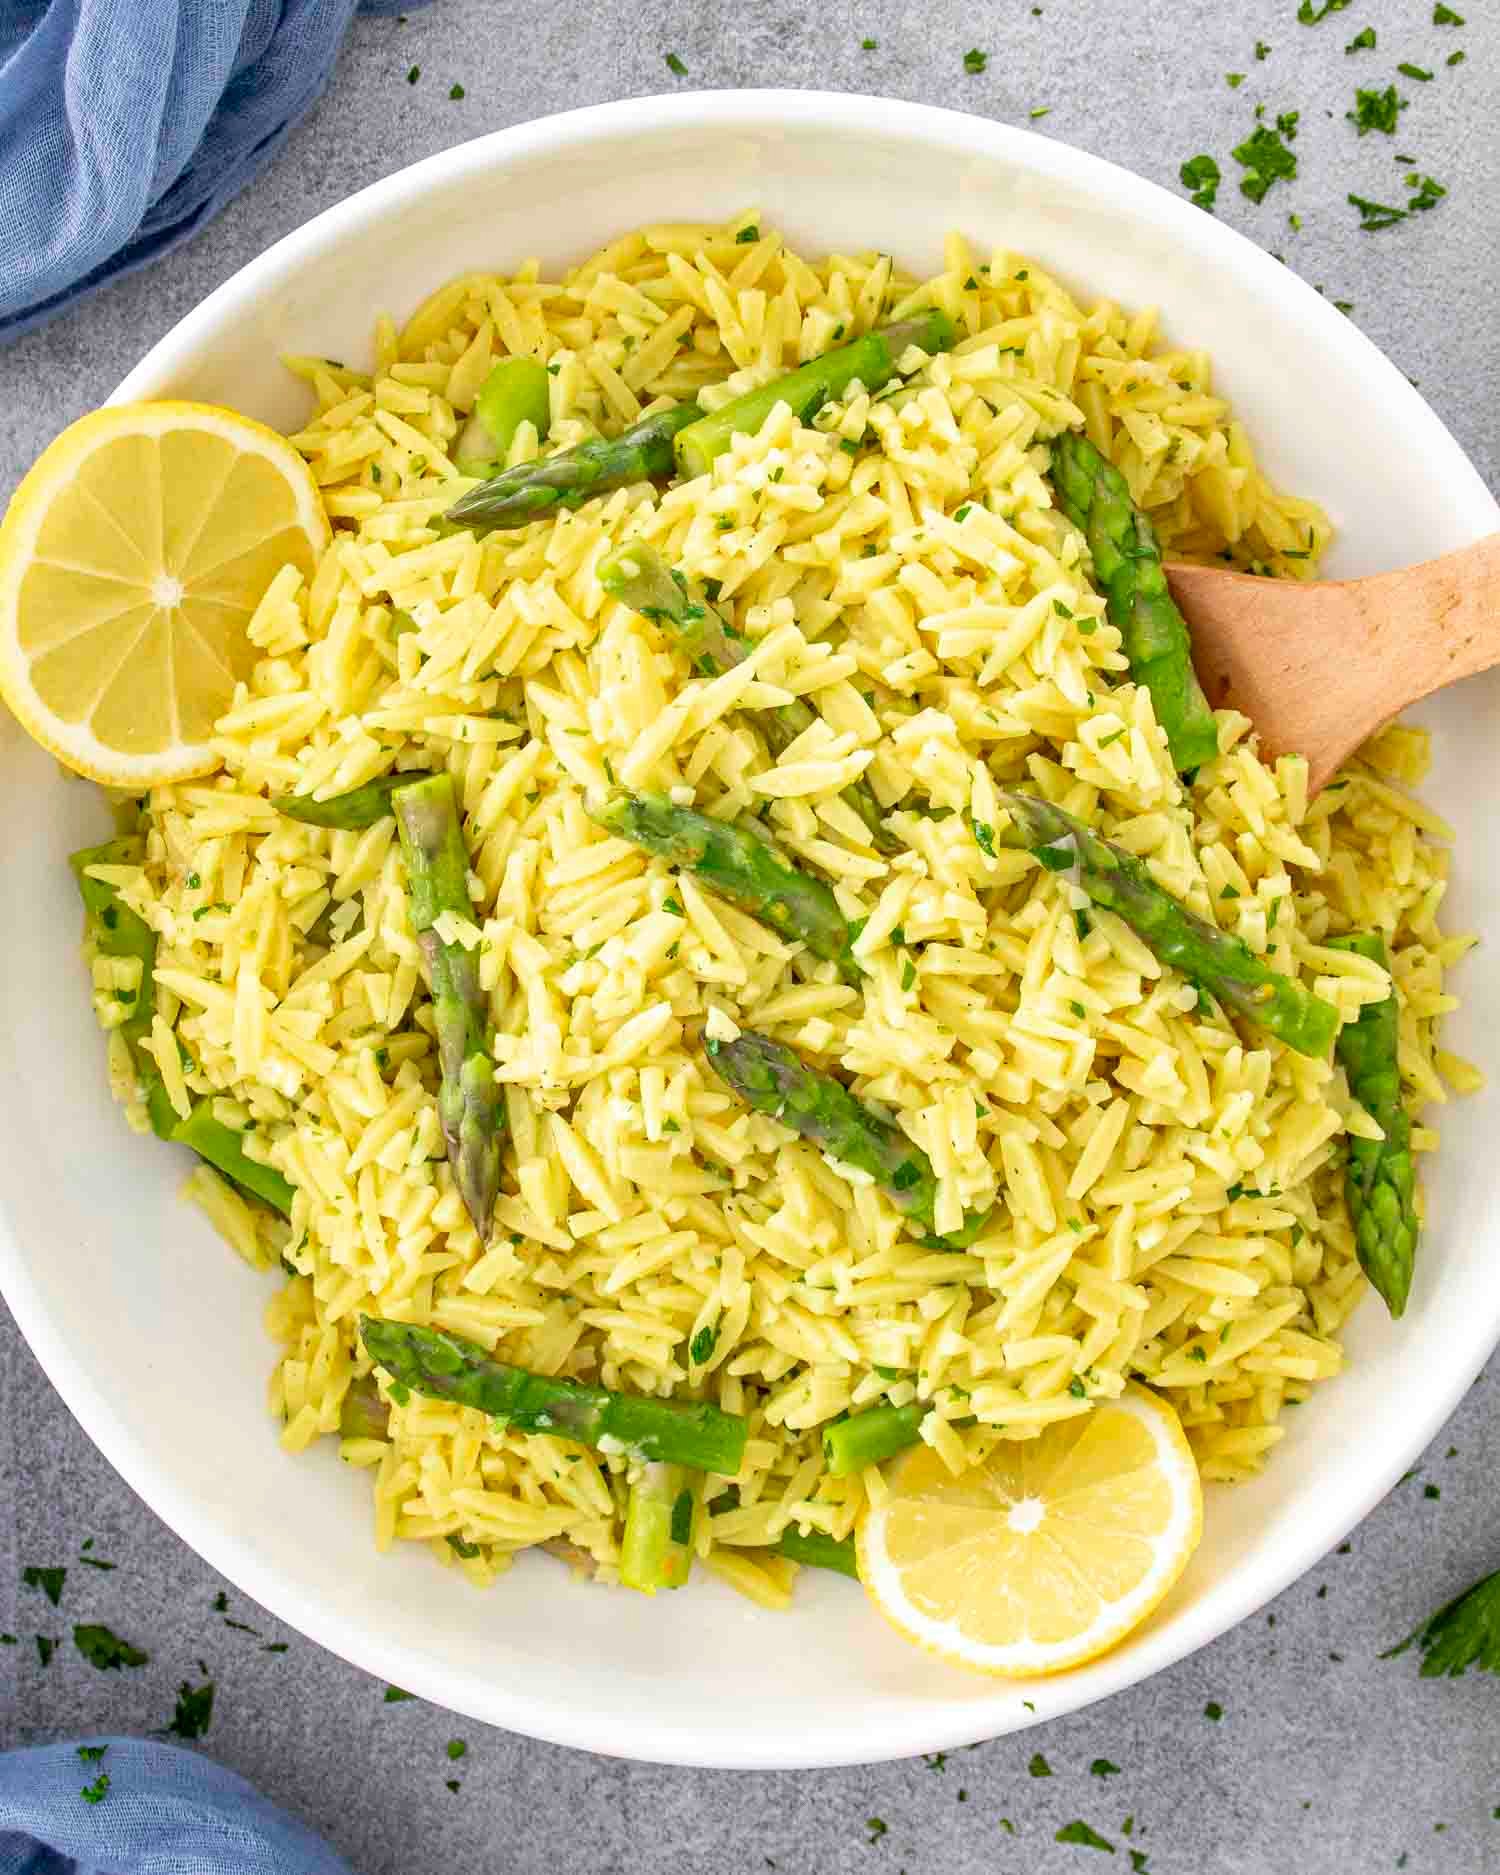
1049, 1552
131, 560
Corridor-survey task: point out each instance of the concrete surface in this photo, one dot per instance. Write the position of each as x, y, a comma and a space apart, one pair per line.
1326, 1759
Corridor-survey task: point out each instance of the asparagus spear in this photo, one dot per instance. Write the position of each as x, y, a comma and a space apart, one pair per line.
638, 576
866, 1438
363, 1414
738, 862
871, 359
360, 807
818, 1551
117, 931
669, 1432
643, 453
1216, 961
1127, 564
656, 1551
774, 1080
1380, 1179
436, 881
650, 449
221, 1146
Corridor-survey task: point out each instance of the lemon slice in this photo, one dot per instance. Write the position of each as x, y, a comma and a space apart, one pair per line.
1049, 1552
131, 559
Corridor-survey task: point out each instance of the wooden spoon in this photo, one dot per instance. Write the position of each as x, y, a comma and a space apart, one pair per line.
1319, 665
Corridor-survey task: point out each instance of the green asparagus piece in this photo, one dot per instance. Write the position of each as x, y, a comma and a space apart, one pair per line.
360, 807
774, 1080
117, 931
223, 1149
515, 392
518, 495
648, 452
866, 1438
639, 577
1219, 963
363, 1414
1380, 1179
739, 863
1127, 564
469, 1103
871, 359
669, 1432
656, 1551
818, 1551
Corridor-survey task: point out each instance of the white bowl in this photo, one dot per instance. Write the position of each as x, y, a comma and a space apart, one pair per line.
151, 1330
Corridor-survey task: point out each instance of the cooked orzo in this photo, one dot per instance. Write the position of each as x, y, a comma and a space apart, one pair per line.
1143, 1183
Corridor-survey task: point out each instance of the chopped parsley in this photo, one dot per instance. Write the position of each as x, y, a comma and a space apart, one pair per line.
1376, 215
1041, 110
675, 66
1213, 1710
975, 60
1080, 1832
457, 1748
455, 92
1101, 1767
869, 45
1267, 159
877, 1827
194, 1709
1200, 175
1234, 80
673, 905
1376, 110
1363, 41
1262, 50
1465, 1633
49, 1581
908, 974
46, 1647
414, 74
1039, 1766
395, 1694
96, 1791
702, 1345
984, 837
1431, 1490
1414, 71
1311, 15
1076, 1387
747, 235
1445, 16
1455, 58
460, 1548
101, 1647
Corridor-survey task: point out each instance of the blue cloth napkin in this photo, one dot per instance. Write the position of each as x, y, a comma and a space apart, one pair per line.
125, 125
164, 1811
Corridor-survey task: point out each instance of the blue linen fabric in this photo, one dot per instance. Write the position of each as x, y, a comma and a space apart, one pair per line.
125, 125
165, 1812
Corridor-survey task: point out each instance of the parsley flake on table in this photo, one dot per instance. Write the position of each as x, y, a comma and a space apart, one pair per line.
1080, 1832
1267, 159
1200, 174
877, 1827
1376, 110
1101, 1767
869, 45
1234, 80
46, 1647
1363, 41
101, 1647
414, 74
1376, 215
457, 1748
675, 66
1214, 1711
1039, 1766
1463, 1633
49, 1581
394, 1694
975, 60
1418, 72
1262, 50
455, 92
1311, 15
1455, 58
194, 1709
1445, 16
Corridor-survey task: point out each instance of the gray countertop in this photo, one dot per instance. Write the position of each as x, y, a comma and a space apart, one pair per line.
1326, 1759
